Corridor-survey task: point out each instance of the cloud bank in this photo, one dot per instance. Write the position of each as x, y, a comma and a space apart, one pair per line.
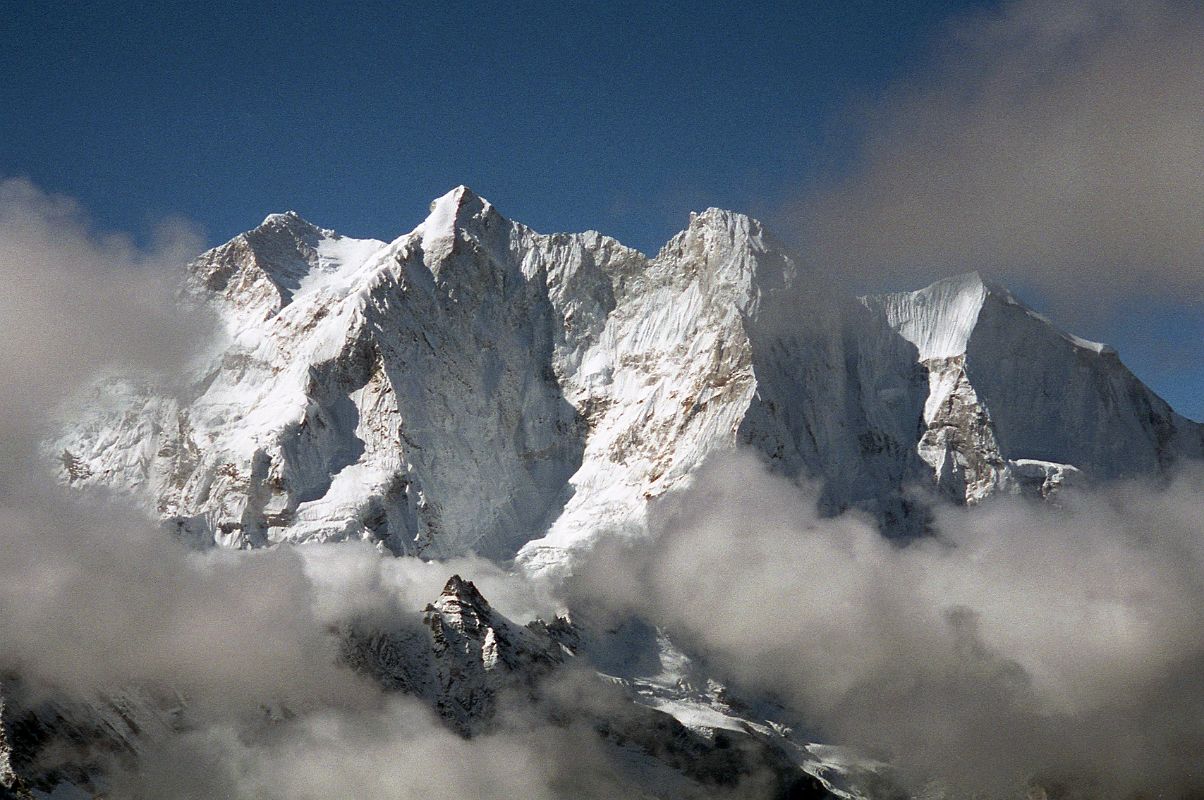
1023, 643
78, 301
97, 599
1056, 144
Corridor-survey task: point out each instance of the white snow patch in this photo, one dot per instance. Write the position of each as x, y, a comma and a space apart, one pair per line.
938, 319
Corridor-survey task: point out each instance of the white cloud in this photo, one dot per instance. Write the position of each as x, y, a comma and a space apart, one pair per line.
1021, 642
1058, 145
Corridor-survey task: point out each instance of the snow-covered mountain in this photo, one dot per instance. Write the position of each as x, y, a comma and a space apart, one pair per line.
476, 386
1014, 403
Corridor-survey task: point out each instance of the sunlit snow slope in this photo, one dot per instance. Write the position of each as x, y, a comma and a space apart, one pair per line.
476, 386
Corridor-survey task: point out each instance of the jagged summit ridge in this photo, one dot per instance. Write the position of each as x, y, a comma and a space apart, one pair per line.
288, 218
474, 385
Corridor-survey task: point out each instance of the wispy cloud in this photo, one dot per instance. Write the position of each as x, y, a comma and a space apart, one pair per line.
1059, 145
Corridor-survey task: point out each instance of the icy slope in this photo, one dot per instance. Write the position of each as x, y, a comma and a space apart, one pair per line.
410, 398
1016, 404
476, 386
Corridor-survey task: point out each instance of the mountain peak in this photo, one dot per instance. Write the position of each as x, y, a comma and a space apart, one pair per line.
969, 280
574, 380
460, 588
732, 223
455, 208
280, 217
974, 282
459, 209
288, 220
288, 230
460, 599
716, 231
959, 299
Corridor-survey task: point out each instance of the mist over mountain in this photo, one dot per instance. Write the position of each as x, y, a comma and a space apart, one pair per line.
484, 512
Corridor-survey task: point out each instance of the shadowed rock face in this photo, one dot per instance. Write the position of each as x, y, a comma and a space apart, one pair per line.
47, 741
476, 386
462, 657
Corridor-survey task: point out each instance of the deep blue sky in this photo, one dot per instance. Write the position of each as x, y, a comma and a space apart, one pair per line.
622, 118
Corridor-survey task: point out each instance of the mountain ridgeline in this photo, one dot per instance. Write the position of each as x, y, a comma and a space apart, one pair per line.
475, 386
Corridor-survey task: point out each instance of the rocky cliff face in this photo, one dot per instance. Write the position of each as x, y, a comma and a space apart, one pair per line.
462, 657
50, 740
476, 386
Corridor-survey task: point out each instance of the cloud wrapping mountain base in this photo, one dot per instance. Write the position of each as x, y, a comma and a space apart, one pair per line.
98, 603
226, 670
396, 751
1024, 643
1049, 644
